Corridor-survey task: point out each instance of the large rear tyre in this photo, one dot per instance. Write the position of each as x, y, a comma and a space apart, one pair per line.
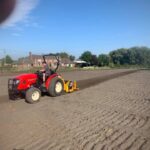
33, 95
56, 87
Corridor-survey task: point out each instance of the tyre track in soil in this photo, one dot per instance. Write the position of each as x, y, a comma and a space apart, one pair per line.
95, 127
83, 84
123, 138
91, 137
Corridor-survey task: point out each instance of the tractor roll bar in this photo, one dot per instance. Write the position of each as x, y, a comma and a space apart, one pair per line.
56, 57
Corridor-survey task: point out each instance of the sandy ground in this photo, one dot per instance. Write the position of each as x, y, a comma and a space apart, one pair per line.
114, 114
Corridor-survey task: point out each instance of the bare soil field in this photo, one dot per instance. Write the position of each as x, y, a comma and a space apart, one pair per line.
110, 111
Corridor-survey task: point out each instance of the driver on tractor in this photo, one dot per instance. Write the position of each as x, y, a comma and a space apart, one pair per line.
46, 71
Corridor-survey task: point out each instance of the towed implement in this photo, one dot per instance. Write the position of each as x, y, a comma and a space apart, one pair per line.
31, 86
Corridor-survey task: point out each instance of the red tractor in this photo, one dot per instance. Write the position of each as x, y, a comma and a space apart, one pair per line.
30, 86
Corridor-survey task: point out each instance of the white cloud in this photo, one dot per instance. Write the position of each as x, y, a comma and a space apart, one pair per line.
21, 13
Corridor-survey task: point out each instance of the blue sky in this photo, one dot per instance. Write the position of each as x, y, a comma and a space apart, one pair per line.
43, 26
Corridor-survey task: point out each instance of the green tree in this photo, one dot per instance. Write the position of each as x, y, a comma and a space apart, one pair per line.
3, 62
63, 55
94, 60
86, 56
72, 58
131, 56
8, 60
103, 60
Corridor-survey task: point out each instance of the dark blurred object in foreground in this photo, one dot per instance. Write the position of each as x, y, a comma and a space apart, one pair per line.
6, 8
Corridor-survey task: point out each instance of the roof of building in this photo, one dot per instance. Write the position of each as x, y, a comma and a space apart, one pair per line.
80, 61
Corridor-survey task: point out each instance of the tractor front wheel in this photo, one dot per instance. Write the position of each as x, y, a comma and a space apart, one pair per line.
56, 87
33, 95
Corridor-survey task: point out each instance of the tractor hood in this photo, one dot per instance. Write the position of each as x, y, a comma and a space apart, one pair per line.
24, 81
29, 76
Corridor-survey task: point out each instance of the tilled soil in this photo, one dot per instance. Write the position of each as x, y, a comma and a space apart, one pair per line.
114, 114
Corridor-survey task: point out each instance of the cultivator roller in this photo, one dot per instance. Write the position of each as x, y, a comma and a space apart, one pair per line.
70, 86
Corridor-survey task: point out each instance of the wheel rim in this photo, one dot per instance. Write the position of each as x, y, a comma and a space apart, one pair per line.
58, 87
35, 96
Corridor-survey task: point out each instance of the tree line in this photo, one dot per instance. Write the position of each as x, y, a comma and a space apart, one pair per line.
121, 57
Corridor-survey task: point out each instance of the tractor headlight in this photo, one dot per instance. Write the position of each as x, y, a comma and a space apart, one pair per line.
17, 81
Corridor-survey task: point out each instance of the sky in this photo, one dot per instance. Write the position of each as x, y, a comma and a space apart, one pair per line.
74, 26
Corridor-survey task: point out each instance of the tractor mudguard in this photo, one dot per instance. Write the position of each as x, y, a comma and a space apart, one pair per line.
49, 80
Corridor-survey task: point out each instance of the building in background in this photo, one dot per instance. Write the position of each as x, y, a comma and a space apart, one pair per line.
81, 63
36, 61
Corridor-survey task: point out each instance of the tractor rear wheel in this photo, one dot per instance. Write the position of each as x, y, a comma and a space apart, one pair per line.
56, 87
33, 95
